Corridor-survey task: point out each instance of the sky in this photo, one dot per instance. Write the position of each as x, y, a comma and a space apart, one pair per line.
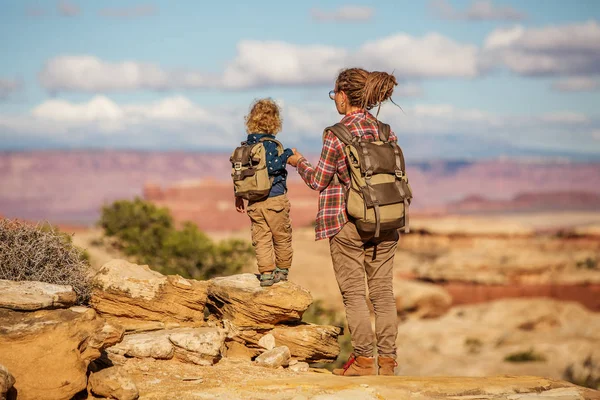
483, 78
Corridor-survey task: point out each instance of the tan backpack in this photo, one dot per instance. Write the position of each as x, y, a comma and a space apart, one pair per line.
249, 172
379, 193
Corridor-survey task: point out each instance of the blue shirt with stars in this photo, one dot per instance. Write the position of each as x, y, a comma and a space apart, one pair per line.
275, 163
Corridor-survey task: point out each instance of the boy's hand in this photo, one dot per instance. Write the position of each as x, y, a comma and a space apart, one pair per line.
293, 160
239, 205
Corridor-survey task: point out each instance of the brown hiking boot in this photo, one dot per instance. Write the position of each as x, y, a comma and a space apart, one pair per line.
357, 366
386, 365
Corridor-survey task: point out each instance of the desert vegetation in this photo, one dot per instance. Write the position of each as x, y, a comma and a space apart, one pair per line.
147, 234
42, 253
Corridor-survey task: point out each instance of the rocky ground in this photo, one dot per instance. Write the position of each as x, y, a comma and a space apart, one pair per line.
468, 290
146, 337
241, 380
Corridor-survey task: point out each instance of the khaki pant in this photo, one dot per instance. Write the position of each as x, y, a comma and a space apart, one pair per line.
271, 232
353, 254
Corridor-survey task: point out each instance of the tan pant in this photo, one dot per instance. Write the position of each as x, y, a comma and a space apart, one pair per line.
271, 232
353, 254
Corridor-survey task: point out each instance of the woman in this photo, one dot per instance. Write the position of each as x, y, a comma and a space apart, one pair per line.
353, 252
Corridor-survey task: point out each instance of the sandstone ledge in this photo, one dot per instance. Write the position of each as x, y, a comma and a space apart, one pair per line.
235, 380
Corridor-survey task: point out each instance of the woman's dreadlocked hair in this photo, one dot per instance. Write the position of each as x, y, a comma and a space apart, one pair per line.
365, 89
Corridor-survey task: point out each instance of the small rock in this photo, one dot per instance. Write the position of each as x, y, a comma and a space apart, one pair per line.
6, 381
267, 342
238, 351
299, 367
279, 356
293, 361
197, 379
113, 383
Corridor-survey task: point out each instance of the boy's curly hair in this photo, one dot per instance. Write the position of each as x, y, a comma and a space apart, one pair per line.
264, 117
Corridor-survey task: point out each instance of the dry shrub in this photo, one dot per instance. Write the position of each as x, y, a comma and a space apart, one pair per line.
42, 253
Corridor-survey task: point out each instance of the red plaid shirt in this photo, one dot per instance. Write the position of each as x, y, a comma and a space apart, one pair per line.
332, 216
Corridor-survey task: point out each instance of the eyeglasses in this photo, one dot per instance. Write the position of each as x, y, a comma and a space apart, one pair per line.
332, 94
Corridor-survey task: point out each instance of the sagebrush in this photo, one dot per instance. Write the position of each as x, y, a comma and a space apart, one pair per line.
148, 234
42, 253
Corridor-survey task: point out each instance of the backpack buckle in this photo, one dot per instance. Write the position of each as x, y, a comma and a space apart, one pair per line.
237, 166
368, 174
399, 174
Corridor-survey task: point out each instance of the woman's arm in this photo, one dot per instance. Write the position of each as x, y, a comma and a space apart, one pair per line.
318, 178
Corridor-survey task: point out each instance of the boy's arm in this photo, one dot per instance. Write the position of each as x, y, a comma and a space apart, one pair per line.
276, 163
239, 205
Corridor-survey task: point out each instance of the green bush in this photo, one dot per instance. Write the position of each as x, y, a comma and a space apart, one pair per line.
43, 253
140, 227
147, 233
588, 263
525, 356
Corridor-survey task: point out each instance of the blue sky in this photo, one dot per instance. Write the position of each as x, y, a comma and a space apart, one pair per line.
522, 76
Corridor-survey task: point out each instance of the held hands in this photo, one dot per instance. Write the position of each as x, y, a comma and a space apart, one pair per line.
293, 160
239, 205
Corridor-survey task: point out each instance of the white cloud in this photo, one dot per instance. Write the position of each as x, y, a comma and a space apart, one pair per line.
8, 87
572, 49
90, 74
177, 122
430, 56
267, 63
270, 63
143, 10
576, 84
68, 9
479, 10
348, 13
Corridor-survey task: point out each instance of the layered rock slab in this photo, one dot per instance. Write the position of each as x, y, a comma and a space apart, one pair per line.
201, 346
140, 299
307, 342
32, 295
241, 300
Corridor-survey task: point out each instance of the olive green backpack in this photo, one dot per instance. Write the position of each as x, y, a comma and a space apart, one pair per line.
379, 193
249, 172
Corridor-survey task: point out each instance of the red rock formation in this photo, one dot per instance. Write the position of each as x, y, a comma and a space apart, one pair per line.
210, 204
468, 293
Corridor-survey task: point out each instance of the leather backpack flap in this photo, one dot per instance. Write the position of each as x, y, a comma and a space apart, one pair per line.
379, 157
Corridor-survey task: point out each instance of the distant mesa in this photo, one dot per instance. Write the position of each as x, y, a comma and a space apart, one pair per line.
538, 202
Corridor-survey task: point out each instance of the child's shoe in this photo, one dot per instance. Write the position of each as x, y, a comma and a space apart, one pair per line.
280, 274
267, 278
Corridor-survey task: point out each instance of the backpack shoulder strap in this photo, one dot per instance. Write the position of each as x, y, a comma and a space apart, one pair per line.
277, 142
340, 131
384, 131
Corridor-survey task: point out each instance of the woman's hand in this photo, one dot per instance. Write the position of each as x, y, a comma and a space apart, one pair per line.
239, 205
293, 160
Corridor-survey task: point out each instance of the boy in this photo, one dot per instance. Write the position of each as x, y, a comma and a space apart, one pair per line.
270, 218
